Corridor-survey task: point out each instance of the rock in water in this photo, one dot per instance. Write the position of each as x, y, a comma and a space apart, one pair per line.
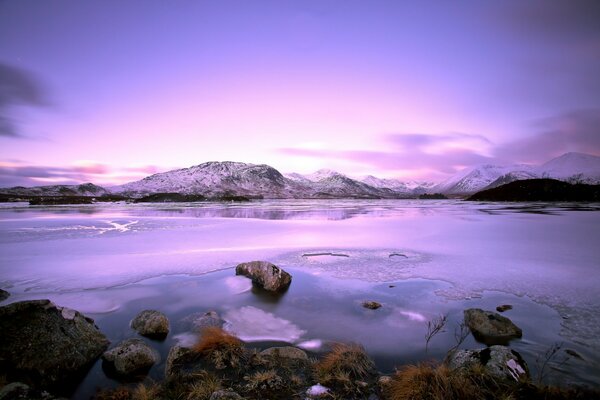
371, 305
197, 322
499, 361
46, 346
504, 307
4, 295
266, 275
178, 356
130, 357
490, 327
151, 323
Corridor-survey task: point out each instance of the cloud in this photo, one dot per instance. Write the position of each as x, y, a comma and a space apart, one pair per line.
577, 131
444, 153
17, 88
16, 173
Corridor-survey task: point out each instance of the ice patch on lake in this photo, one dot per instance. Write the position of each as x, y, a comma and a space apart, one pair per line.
238, 284
252, 324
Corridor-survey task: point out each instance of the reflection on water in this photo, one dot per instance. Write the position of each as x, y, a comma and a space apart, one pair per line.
293, 209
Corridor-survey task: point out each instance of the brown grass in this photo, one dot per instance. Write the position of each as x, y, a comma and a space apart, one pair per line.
222, 348
146, 392
120, 393
203, 387
346, 359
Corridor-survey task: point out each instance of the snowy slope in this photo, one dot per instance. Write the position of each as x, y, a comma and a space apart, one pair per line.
213, 179
572, 167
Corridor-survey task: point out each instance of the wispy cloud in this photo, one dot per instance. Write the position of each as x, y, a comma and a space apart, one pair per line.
577, 130
18, 87
16, 173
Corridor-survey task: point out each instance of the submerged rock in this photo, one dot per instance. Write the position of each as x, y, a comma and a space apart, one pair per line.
199, 321
371, 305
490, 327
288, 352
4, 295
45, 345
266, 275
130, 357
151, 323
504, 307
499, 361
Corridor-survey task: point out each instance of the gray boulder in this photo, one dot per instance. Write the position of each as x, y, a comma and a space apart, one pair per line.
289, 352
4, 295
178, 356
266, 275
131, 357
151, 323
44, 345
499, 361
225, 395
491, 328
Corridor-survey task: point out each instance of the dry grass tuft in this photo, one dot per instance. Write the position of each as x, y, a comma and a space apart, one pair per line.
204, 385
120, 393
146, 392
222, 348
349, 360
428, 382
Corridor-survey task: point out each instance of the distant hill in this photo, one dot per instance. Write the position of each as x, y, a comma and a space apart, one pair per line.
539, 190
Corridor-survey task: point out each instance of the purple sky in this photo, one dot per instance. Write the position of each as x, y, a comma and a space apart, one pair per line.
111, 90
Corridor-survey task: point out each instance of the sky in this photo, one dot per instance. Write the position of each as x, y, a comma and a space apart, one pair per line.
110, 91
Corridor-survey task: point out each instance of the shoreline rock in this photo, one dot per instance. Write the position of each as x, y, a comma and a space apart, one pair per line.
4, 295
131, 357
499, 362
47, 346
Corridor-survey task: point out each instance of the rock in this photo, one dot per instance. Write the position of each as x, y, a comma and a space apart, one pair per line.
504, 307
178, 355
573, 353
130, 357
288, 352
198, 321
225, 395
4, 295
490, 327
15, 390
45, 346
151, 323
499, 361
265, 275
371, 305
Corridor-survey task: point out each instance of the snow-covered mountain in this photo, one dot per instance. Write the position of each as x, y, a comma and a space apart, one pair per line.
219, 179
573, 168
213, 179
570, 167
86, 189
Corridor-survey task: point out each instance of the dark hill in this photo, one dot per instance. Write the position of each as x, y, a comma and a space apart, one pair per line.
539, 190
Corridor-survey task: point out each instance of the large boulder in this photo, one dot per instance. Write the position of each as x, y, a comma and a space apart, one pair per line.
4, 295
499, 362
266, 275
491, 328
151, 323
131, 357
44, 345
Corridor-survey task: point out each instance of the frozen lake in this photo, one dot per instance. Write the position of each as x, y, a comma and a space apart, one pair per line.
112, 260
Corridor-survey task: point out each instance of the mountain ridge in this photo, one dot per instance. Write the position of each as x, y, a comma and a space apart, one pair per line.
215, 179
